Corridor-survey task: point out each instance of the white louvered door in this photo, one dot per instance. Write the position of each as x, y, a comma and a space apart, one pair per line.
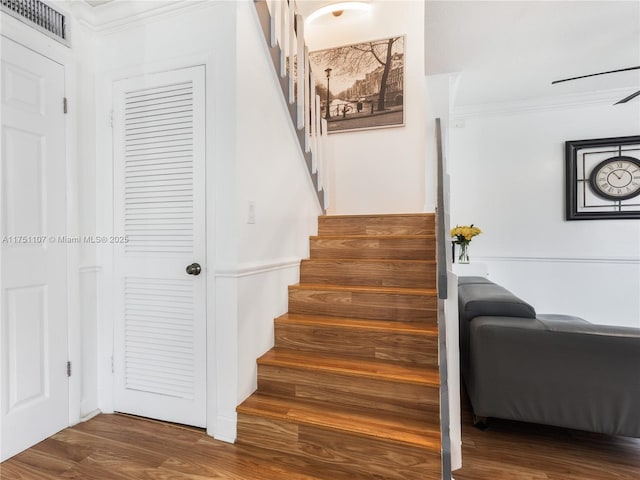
159, 224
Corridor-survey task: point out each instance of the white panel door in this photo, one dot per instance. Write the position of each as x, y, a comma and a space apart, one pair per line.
34, 400
160, 324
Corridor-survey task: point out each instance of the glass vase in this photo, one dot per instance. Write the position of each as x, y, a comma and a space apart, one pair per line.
463, 254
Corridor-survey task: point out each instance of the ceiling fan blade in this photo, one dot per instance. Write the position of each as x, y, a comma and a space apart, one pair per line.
630, 97
595, 74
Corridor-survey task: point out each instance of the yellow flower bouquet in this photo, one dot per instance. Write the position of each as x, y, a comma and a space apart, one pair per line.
462, 236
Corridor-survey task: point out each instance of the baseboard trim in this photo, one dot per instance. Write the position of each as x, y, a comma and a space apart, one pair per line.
90, 415
225, 429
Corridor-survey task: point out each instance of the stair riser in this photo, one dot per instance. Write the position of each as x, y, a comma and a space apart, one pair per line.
369, 273
417, 401
382, 225
400, 307
391, 248
366, 458
413, 349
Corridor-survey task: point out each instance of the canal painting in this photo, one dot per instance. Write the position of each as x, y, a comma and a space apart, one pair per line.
361, 86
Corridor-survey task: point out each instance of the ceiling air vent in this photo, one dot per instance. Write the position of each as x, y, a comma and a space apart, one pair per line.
39, 15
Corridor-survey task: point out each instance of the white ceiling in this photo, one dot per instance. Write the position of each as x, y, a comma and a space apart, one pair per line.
512, 50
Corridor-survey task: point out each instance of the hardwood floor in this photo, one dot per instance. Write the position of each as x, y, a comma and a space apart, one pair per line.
510, 450
120, 447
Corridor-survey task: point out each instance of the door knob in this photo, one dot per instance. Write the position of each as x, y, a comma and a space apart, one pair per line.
194, 269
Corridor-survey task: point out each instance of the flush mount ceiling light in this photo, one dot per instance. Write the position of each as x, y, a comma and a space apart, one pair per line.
336, 9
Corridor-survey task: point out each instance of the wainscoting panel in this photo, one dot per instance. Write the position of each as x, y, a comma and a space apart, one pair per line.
600, 290
90, 280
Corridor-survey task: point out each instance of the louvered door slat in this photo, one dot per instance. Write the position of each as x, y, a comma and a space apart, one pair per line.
158, 170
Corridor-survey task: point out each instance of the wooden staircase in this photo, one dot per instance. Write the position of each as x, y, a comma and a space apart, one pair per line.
351, 388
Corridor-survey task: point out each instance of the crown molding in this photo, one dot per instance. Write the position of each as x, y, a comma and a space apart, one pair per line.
116, 16
558, 102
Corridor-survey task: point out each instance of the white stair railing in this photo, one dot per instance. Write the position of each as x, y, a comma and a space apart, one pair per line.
283, 28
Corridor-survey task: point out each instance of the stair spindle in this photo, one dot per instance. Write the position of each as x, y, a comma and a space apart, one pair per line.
281, 37
308, 81
291, 47
302, 55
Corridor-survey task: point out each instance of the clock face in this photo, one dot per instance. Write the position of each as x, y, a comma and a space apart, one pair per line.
616, 178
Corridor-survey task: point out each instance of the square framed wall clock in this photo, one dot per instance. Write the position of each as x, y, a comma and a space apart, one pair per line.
603, 178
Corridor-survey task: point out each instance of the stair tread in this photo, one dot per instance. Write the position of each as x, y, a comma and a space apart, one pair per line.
358, 323
370, 260
341, 364
366, 289
370, 423
373, 237
383, 215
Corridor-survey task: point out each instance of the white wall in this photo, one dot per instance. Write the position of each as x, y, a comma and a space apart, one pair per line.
382, 170
272, 175
252, 156
507, 177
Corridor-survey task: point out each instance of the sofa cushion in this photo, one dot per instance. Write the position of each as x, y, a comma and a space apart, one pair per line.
489, 299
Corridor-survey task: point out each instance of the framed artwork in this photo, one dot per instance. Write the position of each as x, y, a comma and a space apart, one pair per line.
361, 86
603, 178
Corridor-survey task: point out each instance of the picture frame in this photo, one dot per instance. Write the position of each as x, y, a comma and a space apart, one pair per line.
362, 83
584, 161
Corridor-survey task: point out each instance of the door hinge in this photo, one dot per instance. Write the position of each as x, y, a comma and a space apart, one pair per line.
111, 118
68, 369
64, 104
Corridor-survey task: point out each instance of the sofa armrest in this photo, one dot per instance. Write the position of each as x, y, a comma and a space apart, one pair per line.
484, 299
542, 370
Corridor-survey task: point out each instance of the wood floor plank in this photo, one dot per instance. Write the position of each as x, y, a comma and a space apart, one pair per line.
360, 324
14, 469
370, 272
122, 448
399, 247
517, 450
414, 343
353, 421
343, 381
372, 369
391, 224
363, 457
378, 303
506, 451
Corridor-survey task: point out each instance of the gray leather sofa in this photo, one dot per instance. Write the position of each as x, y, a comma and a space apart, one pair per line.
549, 369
